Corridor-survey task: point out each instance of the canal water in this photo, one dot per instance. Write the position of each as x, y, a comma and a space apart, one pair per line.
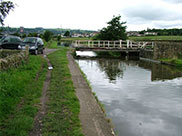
141, 98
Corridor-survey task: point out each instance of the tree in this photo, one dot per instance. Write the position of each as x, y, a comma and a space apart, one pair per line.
58, 37
5, 7
114, 31
67, 34
47, 35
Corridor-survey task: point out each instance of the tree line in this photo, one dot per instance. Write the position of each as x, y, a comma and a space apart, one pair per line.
164, 32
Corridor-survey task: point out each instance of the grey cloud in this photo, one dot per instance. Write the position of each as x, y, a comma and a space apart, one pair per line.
169, 24
147, 12
173, 1
163, 15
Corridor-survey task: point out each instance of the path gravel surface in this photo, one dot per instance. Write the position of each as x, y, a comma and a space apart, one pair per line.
93, 120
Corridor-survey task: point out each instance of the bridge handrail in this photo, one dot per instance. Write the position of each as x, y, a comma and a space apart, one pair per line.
113, 44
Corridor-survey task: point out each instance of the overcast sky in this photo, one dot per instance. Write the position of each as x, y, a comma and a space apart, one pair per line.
93, 14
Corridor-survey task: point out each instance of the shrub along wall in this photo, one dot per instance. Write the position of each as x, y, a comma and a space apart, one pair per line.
11, 58
5, 53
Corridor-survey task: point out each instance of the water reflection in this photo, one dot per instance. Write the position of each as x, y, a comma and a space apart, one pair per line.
161, 72
112, 68
142, 99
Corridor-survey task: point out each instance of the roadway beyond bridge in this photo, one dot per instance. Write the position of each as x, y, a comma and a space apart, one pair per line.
127, 48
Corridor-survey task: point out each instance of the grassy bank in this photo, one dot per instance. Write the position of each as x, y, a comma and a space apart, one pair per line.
62, 116
156, 38
52, 44
20, 91
75, 38
176, 62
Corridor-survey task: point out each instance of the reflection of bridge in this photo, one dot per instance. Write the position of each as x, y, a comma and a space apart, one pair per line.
119, 46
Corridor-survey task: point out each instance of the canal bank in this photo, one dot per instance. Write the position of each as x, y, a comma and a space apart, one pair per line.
93, 120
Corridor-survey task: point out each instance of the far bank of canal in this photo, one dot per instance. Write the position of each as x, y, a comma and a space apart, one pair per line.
141, 98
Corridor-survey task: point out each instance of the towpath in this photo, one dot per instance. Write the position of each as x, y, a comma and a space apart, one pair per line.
93, 120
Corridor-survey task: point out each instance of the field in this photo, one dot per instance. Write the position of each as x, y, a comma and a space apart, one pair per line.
156, 38
75, 38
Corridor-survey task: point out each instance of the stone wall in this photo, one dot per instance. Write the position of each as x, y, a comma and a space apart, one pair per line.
11, 58
168, 49
144, 53
5, 53
163, 49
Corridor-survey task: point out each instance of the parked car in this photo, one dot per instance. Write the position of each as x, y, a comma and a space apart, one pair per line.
10, 42
36, 45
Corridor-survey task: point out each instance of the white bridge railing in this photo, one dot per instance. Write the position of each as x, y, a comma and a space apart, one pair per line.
113, 44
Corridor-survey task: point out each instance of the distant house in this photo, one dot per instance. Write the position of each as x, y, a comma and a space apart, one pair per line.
133, 33
150, 33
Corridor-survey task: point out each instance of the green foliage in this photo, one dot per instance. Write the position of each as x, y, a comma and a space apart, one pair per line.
33, 34
62, 117
58, 38
16, 34
20, 91
5, 7
24, 35
47, 35
52, 44
114, 31
67, 34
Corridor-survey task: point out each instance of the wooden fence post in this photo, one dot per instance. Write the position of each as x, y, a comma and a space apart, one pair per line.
120, 43
88, 43
128, 43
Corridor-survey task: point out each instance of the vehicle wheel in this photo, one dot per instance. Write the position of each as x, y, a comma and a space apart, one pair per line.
36, 52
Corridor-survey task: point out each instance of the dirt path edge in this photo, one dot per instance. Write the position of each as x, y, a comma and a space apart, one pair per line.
37, 128
93, 120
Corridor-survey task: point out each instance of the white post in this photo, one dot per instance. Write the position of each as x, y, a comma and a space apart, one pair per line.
99, 43
108, 43
120, 43
128, 43
114, 43
88, 43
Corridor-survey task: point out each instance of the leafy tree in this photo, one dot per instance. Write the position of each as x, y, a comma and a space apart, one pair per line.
67, 34
47, 35
16, 34
5, 7
24, 35
114, 31
33, 34
59, 37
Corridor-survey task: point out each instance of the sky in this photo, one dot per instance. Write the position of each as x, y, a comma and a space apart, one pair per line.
94, 14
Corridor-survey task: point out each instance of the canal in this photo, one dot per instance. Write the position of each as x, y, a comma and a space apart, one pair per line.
141, 98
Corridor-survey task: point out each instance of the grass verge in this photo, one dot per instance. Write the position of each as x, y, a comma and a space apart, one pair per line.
156, 38
20, 91
176, 62
63, 109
